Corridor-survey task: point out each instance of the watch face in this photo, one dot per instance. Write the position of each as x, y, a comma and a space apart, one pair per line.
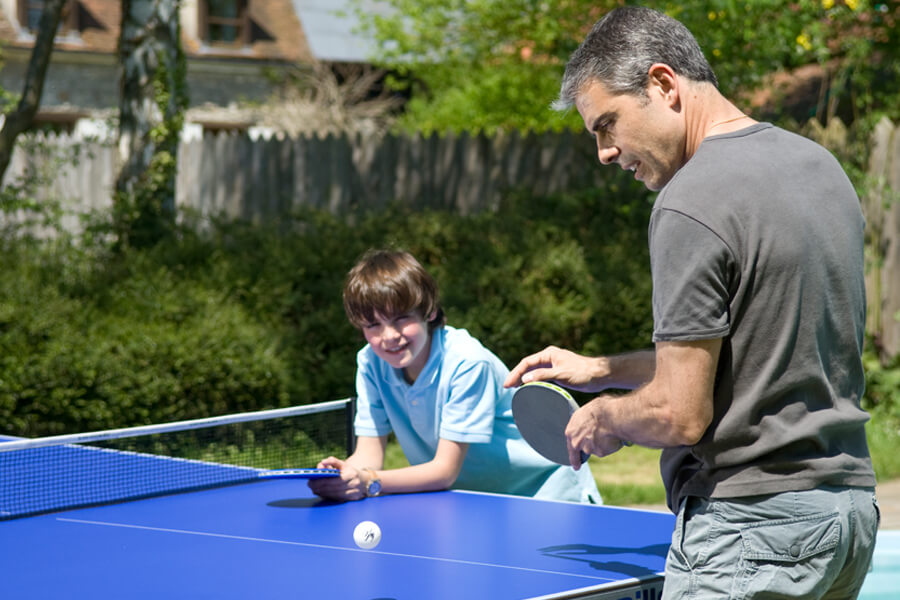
374, 487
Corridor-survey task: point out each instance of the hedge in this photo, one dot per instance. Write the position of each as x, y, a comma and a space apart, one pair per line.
239, 316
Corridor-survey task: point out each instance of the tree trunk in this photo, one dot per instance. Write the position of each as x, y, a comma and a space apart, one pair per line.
20, 119
151, 113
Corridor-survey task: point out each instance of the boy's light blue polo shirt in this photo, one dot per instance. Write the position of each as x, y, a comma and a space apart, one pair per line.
459, 396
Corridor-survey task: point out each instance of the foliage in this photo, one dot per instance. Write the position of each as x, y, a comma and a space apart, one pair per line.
90, 343
854, 45
482, 63
495, 280
882, 385
496, 63
8, 99
882, 400
247, 317
25, 210
338, 99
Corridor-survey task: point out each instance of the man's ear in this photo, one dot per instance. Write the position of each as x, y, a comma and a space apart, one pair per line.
663, 82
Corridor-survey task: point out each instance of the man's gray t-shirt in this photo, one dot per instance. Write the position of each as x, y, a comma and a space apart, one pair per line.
758, 240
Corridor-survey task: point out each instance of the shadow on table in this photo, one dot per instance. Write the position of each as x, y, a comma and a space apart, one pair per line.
595, 556
301, 503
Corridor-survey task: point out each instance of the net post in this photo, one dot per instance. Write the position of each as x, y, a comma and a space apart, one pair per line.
351, 437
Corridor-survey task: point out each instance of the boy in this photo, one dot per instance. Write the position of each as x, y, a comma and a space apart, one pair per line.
440, 391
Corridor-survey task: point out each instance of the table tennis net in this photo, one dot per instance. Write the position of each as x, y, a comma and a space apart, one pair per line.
62, 472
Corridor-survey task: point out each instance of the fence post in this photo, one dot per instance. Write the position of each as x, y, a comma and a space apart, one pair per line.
882, 212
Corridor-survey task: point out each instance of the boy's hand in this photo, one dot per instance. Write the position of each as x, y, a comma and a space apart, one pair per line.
351, 485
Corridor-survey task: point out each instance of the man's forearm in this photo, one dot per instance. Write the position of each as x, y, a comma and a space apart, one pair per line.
626, 371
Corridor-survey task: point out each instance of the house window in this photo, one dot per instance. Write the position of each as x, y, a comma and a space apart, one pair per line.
225, 22
56, 121
30, 15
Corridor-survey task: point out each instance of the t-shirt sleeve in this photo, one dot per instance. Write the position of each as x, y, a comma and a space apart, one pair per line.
691, 268
371, 418
468, 414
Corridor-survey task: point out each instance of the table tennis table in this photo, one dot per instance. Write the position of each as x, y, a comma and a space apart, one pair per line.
139, 513
275, 539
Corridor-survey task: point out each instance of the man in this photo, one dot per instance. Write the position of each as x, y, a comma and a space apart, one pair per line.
753, 388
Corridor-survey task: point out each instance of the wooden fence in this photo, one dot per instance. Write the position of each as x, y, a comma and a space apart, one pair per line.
260, 180
881, 206
257, 180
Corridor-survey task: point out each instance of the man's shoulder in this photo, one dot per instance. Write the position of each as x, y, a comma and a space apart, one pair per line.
732, 168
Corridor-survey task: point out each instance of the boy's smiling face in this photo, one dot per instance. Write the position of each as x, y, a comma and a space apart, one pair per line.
403, 341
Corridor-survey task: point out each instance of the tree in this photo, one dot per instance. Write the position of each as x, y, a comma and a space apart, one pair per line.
21, 118
480, 64
853, 43
151, 116
492, 64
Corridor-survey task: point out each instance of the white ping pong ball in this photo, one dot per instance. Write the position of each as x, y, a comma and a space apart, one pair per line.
367, 535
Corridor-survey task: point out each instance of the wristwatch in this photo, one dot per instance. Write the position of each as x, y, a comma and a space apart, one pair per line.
373, 487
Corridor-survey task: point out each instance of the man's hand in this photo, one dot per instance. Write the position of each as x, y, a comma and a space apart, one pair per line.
587, 432
555, 364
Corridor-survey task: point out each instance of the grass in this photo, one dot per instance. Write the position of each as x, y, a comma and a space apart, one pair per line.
628, 477
883, 433
393, 455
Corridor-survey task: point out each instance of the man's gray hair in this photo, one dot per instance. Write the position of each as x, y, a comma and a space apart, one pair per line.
620, 49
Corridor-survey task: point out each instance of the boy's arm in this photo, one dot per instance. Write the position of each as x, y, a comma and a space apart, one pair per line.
365, 465
353, 481
437, 474
369, 452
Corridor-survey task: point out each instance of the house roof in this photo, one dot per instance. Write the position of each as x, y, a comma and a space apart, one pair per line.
331, 28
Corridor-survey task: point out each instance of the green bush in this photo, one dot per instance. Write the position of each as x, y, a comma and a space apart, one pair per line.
571, 270
245, 316
149, 347
882, 400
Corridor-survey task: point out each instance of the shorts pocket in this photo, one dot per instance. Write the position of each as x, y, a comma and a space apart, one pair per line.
877, 512
791, 540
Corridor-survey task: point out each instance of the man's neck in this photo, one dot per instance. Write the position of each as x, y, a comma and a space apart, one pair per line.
709, 113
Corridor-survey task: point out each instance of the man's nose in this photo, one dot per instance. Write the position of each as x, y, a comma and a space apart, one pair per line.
607, 154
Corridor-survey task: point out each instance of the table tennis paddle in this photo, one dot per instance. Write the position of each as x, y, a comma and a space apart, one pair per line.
541, 411
298, 473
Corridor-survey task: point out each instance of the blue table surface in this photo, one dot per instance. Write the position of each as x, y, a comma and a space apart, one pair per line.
274, 539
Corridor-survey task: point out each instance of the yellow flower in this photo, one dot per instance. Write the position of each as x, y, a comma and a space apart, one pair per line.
827, 4
852, 4
717, 52
712, 15
803, 41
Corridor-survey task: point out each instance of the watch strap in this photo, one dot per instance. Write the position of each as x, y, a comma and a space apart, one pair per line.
373, 486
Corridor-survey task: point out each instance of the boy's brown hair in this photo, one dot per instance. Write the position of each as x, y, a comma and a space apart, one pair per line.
390, 283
